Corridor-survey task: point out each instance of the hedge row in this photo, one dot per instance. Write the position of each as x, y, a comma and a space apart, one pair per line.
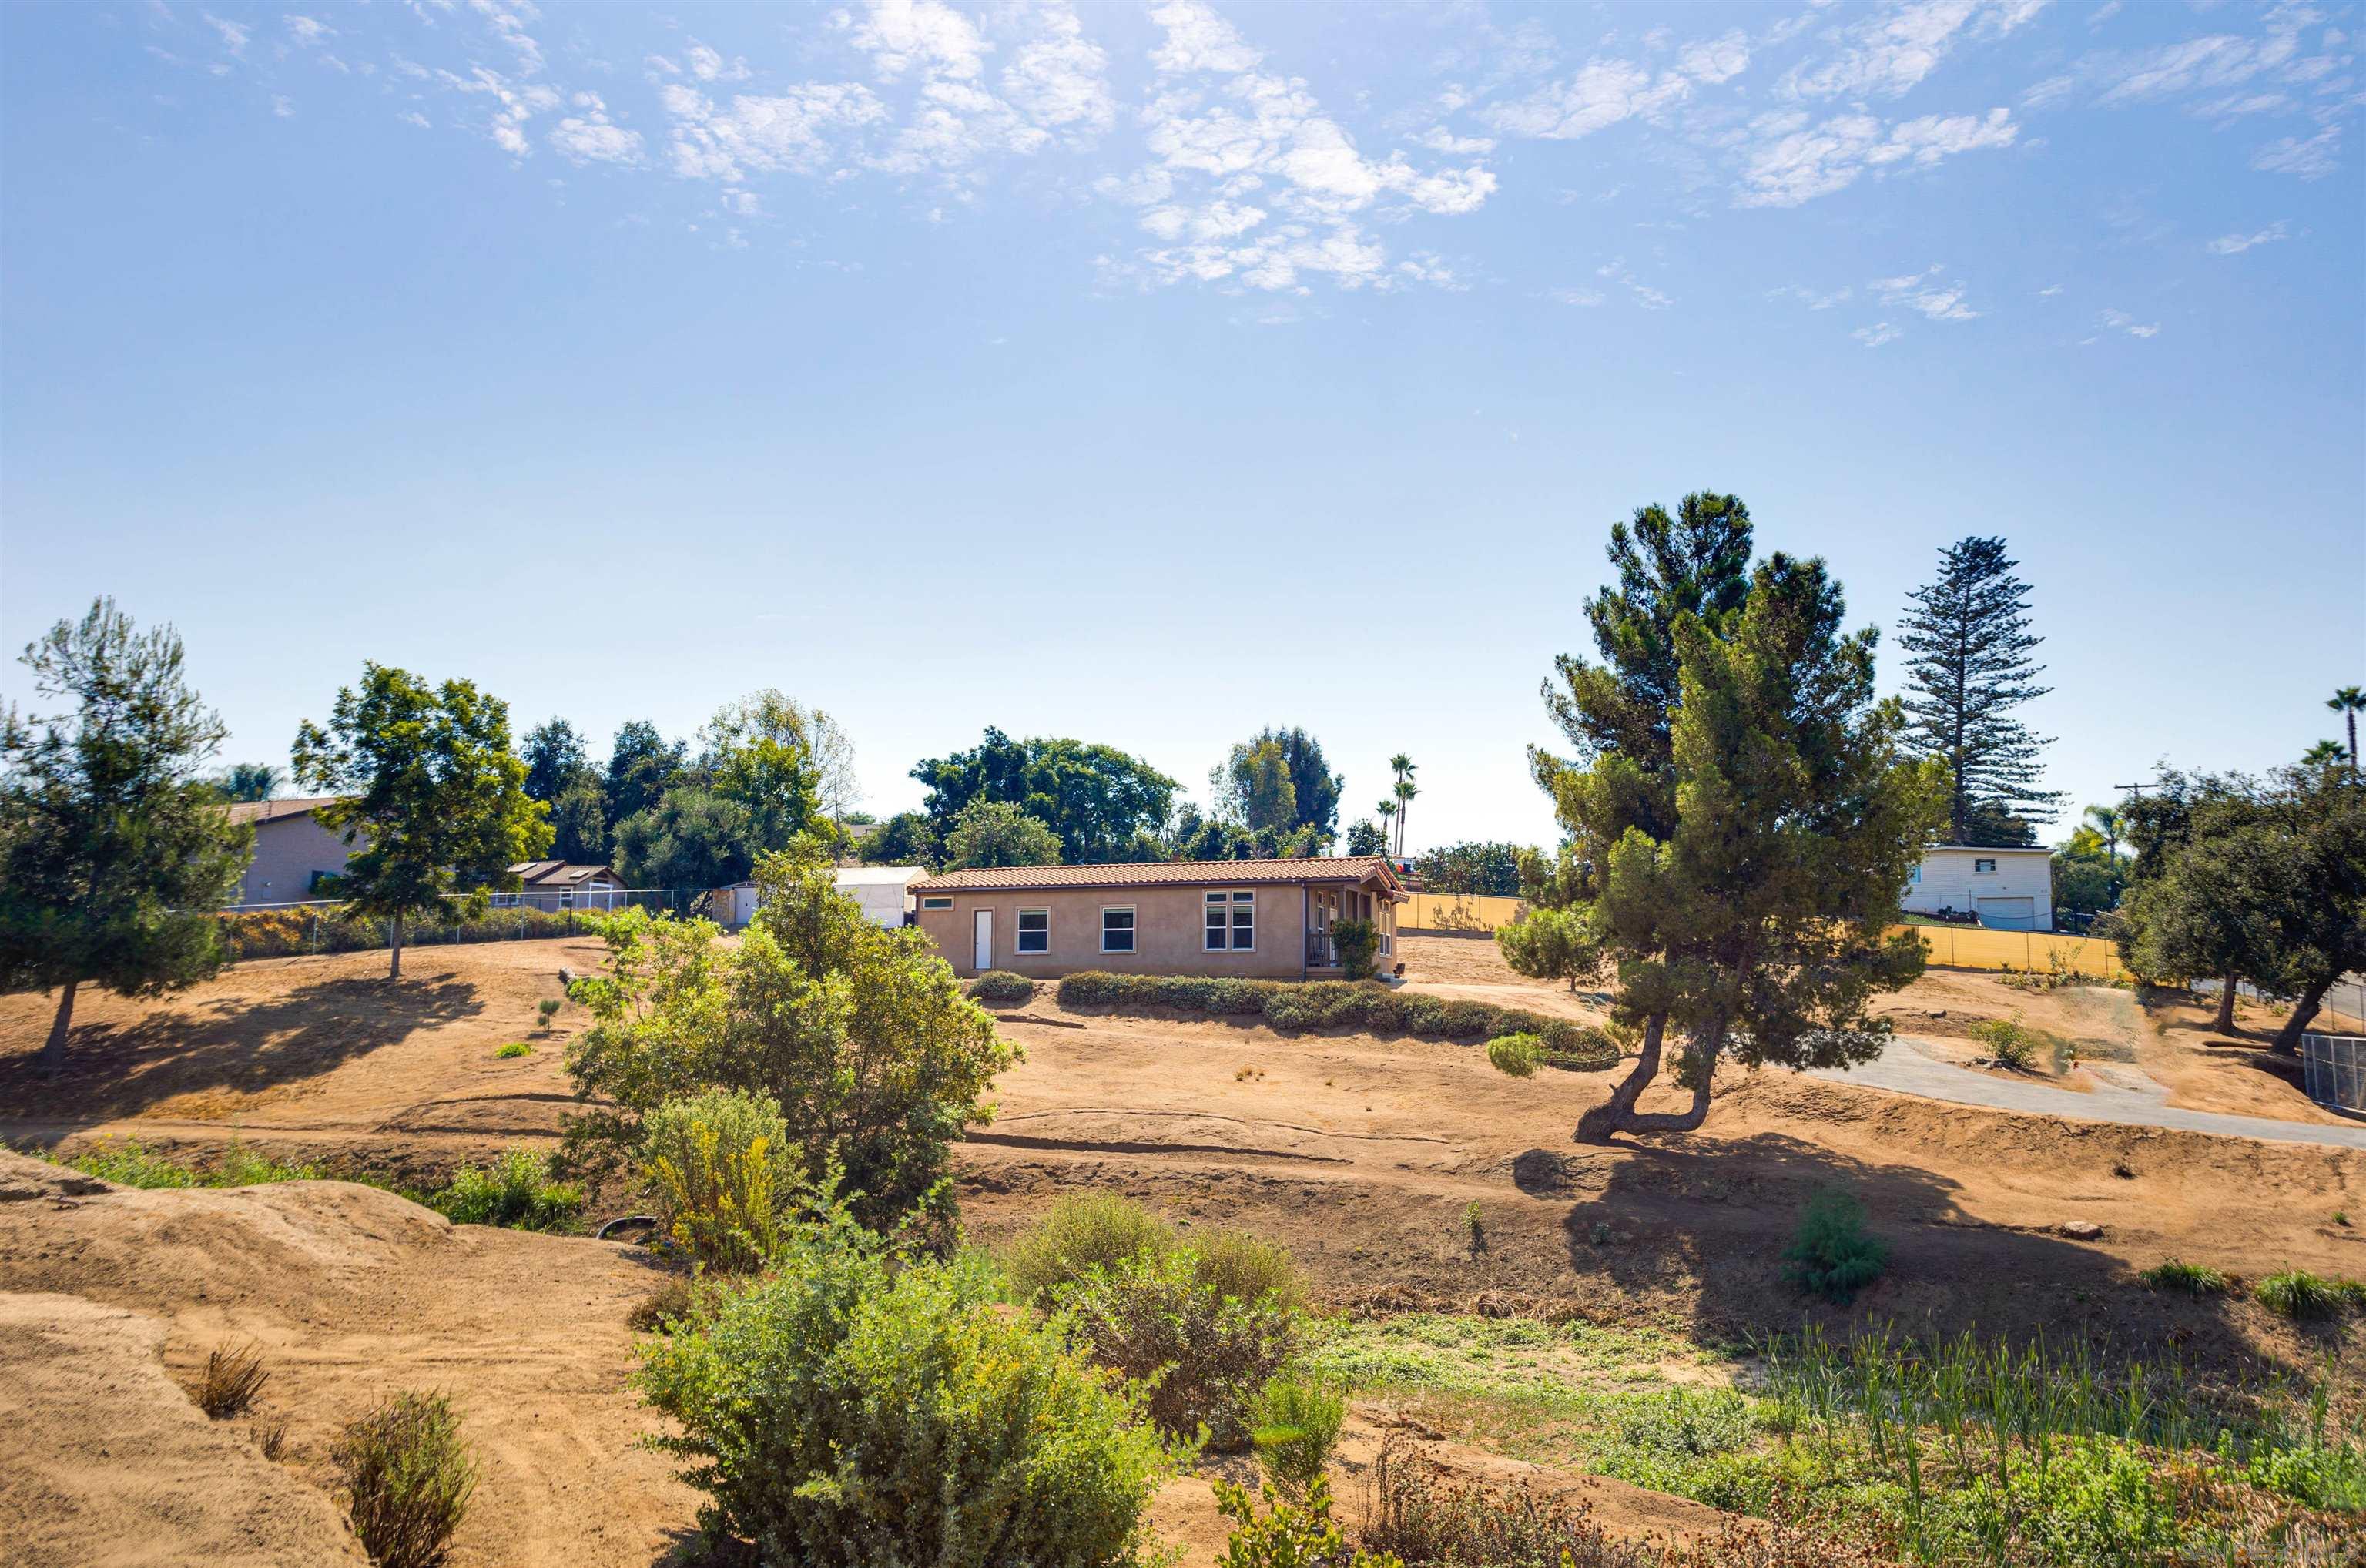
1341, 1004
282, 933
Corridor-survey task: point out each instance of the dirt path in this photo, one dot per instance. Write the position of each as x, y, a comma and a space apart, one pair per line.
2123, 1095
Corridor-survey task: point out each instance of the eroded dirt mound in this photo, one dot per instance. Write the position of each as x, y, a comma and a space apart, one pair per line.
108, 1462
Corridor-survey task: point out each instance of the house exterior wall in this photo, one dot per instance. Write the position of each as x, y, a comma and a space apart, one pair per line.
287, 852
1949, 878
1167, 931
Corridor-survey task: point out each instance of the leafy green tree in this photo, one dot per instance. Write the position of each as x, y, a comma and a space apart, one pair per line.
428, 787
554, 757
1551, 944
1365, 836
2348, 701
559, 774
1253, 788
692, 838
2317, 911
754, 790
905, 838
1741, 885
642, 765
2193, 907
113, 850
2088, 874
1101, 802
995, 832
250, 781
1695, 563
1492, 869
769, 723
861, 1034
1968, 631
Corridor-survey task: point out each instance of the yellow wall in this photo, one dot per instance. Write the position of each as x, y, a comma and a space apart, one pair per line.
1444, 912
1969, 947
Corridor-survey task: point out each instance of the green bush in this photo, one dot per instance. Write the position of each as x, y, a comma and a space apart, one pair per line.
1291, 1535
846, 1411
1834, 1256
517, 1190
1247, 1268
2010, 1043
1516, 1055
721, 1175
1077, 1235
2190, 1277
1359, 941
2297, 1293
1681, 1424
1003, 987
1341, 1004
407, 1478
514, 1050
1295, 1425
133, 1164
1202, 1355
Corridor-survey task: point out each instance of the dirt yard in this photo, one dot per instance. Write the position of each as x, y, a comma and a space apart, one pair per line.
1363, 1155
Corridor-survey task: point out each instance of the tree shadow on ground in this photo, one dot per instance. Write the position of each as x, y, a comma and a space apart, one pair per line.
231, 1044
1702, 1223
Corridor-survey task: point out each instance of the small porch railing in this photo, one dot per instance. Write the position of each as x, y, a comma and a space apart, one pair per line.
1322, 953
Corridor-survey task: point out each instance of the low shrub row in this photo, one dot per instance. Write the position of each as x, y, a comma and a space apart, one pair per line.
303, 929
1002, 985
1342, 1004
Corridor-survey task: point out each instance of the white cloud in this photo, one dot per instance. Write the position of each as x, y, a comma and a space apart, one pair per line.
589, 137
1199, 39
1793, 163
1886, 54
507, 18
234, 36
281, 107
519, 103
1919, 291
708, 64
2235, 244
1582, 296
900, 34
1643, 294
413, 116
307, 31
1059, 79
1812, 299
1438, 138
1602, 94
795, 131
2119, 320
1878, 333
1716, 60
2313, 159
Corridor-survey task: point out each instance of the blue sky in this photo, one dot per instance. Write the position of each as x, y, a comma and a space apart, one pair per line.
1150, 375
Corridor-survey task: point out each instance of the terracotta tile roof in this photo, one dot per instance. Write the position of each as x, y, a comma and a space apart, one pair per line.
1188, 873
248, 811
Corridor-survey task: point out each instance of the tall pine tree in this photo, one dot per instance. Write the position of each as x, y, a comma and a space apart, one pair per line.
1969, 632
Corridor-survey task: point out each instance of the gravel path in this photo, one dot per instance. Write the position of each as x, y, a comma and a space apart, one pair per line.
2123, 1094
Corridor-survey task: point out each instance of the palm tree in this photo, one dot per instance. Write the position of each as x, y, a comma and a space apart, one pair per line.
2324, 754
2105, 819
1401, 766
1387, 810
2346, 701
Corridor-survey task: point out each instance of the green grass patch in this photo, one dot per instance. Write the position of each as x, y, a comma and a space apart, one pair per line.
129, 1163
514, 1050
2192, 1278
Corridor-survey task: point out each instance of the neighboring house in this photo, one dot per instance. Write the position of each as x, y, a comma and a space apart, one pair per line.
2010, 890
1270, 918
292, 851
556, 884
883, 891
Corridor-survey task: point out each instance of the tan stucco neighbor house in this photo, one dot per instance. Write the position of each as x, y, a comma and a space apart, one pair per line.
292, 851
1257, 919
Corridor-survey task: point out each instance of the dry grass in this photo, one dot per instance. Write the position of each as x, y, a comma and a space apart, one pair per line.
233, 1377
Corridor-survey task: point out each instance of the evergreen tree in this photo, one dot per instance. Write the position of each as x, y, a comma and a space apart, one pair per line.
642, 765
554, 757
1247, 786
427, 784
113, 852
1969, 632
997, 833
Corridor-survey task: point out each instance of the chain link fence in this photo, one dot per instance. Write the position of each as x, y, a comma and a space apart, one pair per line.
2333, 1069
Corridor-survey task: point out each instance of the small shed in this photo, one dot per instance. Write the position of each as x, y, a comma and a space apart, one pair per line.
883, 891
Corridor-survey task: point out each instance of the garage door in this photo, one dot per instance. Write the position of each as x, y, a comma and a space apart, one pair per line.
2009, 914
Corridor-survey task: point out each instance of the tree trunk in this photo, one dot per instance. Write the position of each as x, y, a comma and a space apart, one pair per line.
394, 949
2225, 1023
2303, 1013
1617, 1114
53, 1051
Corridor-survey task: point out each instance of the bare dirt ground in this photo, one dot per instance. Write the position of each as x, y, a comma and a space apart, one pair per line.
1361, 1154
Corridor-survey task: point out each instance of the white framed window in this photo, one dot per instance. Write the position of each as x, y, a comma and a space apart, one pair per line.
1388, 945
1034, 931
500, 900
1228, 921
565, 897
1117, 928
1983, 868
936, 903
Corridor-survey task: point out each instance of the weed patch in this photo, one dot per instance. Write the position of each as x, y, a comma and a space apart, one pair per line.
408, 1479
233, 1377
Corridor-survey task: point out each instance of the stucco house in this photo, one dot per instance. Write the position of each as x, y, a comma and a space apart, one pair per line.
558, 884
2010, 890
1260, 918
883, 891
292, 851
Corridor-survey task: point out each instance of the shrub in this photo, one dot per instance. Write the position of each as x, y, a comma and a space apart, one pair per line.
407, 1478
514, 1050
860, 1034
2010, 1043
2297, 1293
1359, 941
517, 1190
133, 1164
1340, 1004
722, 1175
1423, 1514
1681, 1424
1247, 1268
233, 1377
1202, 1355
844, 1411
1003, 987
548, 1007
1516, 1054
1291, 1535
2192, 1277
1077, 1235
1295, 1425
1834, 1256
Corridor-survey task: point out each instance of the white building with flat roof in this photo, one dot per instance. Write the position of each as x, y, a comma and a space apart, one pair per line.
883, 891
2010, 890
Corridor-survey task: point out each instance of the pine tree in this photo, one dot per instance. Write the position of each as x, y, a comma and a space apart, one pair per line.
1969, 632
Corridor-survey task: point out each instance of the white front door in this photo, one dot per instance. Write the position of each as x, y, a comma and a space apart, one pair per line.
984, 960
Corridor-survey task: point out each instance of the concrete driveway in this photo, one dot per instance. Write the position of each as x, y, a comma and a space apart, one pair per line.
2123, 1094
